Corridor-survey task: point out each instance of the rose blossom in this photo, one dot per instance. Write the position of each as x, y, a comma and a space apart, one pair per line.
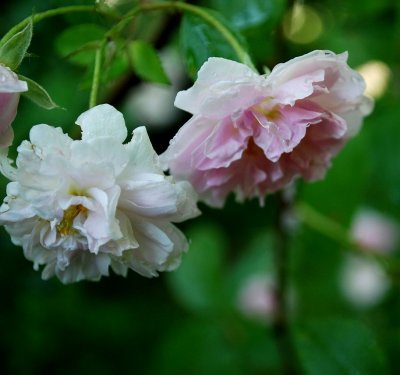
252, 134
10, 89
80, 207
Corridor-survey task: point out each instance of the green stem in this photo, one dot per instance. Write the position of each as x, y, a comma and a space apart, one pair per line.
198, 11
96, 75
323, 224
47, 14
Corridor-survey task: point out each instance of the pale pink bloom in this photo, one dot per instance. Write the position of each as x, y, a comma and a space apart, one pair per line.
10, 89
81, 207
256, 298
374, 231
252, 134
363, 281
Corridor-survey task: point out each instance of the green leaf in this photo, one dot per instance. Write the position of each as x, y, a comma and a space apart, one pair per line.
78, 43
199, 41
13, 50
197, 283
256, 20
38, 94
116, 67
146, 62
339, 347
244, 14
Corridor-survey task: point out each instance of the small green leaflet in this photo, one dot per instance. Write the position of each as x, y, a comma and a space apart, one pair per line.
146, 62
79, 43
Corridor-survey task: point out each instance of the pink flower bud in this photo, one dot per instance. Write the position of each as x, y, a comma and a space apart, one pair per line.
252, 134
10, 89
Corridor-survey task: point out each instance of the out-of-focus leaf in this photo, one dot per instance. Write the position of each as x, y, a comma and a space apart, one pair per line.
115, 62
256, 260
146, 62
38, 94
344, 186
13, 50
316, 263
197, 347
197, 283
199, 41
245, 14
78, 43
339, 347
117, 68
368, 7
383, 135
257, 20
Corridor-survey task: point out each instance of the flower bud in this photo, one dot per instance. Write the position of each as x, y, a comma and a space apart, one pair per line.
10, 89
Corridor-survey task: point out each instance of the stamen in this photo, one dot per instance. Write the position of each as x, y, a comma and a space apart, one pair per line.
270, 112
65, 227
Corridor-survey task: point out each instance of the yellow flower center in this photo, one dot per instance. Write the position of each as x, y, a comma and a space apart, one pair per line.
269, 112
66, 224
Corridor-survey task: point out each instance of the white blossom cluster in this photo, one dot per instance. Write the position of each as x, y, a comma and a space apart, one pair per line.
80, 207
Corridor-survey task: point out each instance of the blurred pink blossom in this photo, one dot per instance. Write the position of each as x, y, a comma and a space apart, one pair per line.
374, 231
363, 282
256, 298
10, 89
252, 134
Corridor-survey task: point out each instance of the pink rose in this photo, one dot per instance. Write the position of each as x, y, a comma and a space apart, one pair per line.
10, 89
252, 134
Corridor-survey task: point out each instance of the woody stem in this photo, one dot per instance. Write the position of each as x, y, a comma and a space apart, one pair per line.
281, 324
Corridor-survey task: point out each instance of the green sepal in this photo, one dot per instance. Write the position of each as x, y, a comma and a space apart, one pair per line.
38, 94
14, 48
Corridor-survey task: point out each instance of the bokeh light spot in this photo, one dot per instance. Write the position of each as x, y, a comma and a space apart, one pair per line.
302, 24
376, 75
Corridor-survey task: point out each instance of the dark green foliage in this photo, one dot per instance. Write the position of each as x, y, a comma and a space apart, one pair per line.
188, 322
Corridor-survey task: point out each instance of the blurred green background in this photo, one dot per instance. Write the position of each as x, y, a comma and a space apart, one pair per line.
207, 318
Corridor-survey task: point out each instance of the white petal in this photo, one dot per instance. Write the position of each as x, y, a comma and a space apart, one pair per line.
100, 152
142, 157
186, 202
154, 250
221, 85
9, 81
127, 240
102, 121
46, 139
180, 245
354, 118
6, 168
83, 266
303, 65
150, 199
